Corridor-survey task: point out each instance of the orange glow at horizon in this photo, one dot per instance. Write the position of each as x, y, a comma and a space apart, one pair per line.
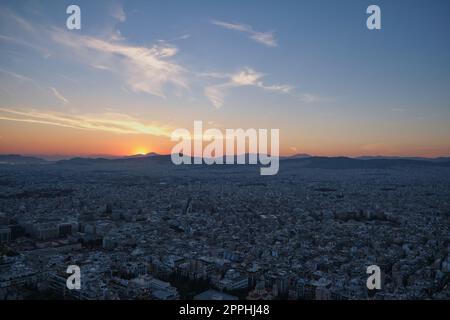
25, 138
39, 139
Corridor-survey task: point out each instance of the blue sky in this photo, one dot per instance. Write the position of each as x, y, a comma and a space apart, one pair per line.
310, 68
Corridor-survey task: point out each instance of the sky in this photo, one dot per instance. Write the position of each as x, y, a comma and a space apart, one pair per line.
137, 70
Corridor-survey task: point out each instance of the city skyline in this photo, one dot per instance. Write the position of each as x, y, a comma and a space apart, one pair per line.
133, 74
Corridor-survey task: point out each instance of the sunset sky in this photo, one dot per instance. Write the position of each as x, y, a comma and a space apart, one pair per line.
137, 70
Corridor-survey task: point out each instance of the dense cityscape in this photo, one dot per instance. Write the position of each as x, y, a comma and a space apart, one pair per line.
142, 228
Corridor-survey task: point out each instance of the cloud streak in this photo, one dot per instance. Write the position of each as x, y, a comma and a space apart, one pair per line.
265, 38
22, 78
310, 98
30, 30
58, 95
245, 77
16, 75
109, 122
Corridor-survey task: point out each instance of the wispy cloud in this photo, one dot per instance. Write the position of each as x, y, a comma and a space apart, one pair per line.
265, 38
100, 67
116, 11
245, 77
216, 94
249, 77
29, 29
6, 13
21, 78
109, 122
24, 43
58, 95
16, 75
146, 69
312, 98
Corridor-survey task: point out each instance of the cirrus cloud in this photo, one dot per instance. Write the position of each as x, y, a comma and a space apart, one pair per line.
245, 77
58, 95
109, 122
265, 38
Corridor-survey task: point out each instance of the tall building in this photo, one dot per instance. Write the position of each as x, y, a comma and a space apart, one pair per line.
46, 231
5, 234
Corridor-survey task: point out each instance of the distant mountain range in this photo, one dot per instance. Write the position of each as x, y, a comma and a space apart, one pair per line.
441, 159
378, 163
297, 156
18, 159
301, 160
151, 154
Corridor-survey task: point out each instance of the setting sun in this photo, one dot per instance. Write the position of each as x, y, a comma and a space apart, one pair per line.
140, 150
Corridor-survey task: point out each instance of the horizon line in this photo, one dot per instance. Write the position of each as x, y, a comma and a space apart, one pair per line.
305, 155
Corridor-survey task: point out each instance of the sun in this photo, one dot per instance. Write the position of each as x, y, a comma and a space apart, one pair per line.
140, 150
